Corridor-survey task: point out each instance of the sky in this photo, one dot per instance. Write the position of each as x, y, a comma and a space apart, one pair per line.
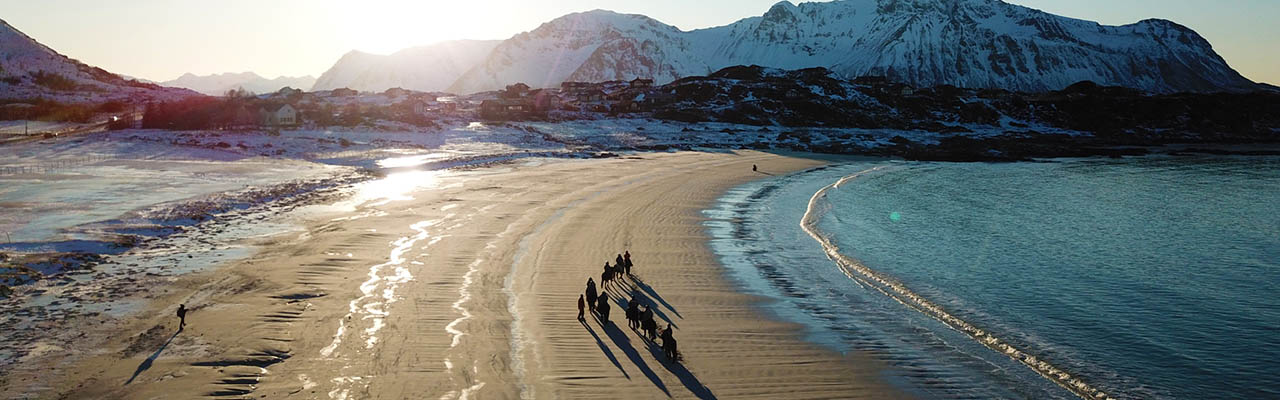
162, 39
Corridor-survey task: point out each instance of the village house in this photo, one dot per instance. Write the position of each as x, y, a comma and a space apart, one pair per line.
395, 92
575, 87
288, 91
505, 109
343, 92
544, 100
639, 83
277, 115
590, 96
515, 91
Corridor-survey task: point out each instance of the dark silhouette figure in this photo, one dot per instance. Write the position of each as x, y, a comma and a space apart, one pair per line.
603, 308
591, 294
182, 316
669, 344
633, 314
618, 261
626, 261
647, 324
582, 305
607, 275
753, 168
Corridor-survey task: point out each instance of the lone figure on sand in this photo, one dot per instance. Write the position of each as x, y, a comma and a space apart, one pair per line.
581, 307
182, 316
754, 169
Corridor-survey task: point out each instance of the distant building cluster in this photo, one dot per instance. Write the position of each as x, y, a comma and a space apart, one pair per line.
518, 101
291, 108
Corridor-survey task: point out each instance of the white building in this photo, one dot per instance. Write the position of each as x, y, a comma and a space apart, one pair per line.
278, 115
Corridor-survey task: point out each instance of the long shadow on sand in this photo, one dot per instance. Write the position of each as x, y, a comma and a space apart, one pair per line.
648, 291
146, 364
621, 340
689, 381
645, 295
605, 349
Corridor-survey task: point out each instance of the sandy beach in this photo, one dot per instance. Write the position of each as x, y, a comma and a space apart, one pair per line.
463, 284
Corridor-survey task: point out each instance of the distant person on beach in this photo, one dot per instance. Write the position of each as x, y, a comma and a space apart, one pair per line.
647, 324
633, 314
618, 261
669, 343
591, 294
182, 316
582, 305
626, 260
607, 275
603, 307
754, 169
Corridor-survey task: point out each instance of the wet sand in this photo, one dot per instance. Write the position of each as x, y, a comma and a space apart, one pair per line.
466, 287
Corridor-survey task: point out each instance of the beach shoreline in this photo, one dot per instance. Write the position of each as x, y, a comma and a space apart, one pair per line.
461, 284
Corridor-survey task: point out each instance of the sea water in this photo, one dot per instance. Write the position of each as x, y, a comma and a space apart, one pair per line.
1149, 277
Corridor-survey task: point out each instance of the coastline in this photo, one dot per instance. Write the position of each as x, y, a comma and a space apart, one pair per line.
899, 292
468, 283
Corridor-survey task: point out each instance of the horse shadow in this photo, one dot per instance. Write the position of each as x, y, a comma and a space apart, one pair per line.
645, 301
605, 349
653, 294
146, 364
621, 340
689, 381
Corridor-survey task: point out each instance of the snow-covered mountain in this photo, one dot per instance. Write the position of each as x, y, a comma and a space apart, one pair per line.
968, 43
589, 46
971, 43
218, 84
29, 70
426, 68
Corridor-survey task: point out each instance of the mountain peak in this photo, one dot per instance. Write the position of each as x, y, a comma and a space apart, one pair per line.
781, 12
966, 43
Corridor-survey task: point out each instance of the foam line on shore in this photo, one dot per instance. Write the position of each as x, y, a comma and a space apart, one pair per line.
871, 278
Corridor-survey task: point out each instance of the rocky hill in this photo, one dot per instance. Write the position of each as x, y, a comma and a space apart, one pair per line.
30, 70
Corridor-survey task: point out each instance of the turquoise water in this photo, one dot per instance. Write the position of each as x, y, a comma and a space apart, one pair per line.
1145, 278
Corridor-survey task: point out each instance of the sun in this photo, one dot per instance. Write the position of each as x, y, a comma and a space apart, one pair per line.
387, 26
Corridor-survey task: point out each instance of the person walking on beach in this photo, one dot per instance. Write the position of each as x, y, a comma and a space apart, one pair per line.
754, 169
182, 316
669, 344
591, 294
626, 259
582, 305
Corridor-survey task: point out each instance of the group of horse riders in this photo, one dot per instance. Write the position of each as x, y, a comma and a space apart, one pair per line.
638, 316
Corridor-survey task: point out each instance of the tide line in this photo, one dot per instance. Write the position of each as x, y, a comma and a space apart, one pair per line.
900, 293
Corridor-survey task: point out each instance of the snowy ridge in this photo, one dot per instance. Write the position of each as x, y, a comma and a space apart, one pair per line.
589, 46
425, 68
29, 69
219, 84
966, 43
972, 43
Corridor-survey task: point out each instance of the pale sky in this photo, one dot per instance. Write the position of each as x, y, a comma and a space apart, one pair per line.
161, 39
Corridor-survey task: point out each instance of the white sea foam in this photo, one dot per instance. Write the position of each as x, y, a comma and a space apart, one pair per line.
868, 277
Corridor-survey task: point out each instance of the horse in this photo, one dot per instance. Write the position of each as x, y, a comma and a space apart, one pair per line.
669, 348
603, 307
649, 326
669, 344
607, 275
